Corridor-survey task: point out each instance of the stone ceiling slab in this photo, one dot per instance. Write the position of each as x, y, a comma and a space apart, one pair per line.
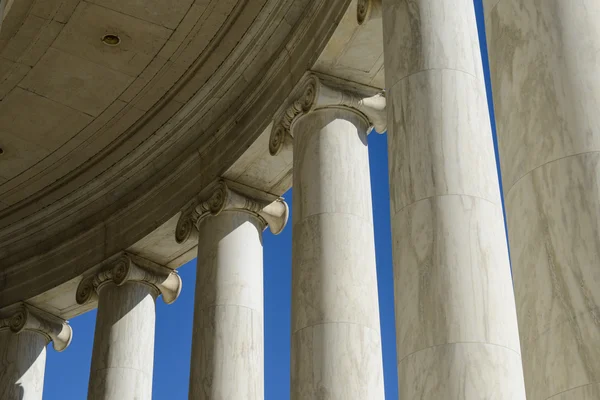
49, 127
354, 52
165, 13
18, 155
75, 82
140, 40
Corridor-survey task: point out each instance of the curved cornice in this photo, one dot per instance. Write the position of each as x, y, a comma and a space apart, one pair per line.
84, 226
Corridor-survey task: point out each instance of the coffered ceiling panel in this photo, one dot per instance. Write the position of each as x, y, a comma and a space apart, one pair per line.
18, 155
49, 127
166, 13
139, 42
75, 82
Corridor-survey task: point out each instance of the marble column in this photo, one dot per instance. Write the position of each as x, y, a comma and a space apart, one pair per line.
24, 334
456, 323
123, 352
336, 339
228, 334
545, 75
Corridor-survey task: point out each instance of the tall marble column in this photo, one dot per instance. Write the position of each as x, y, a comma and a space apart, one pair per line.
123, 352
456, 324
228, 336
24, 334
336, 340
545, 74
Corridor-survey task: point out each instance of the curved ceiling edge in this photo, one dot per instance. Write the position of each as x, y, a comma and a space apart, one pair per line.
114, 226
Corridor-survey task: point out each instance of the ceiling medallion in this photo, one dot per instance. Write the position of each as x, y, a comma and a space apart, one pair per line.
111, 40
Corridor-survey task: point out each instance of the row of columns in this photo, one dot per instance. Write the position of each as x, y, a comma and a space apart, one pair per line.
456, 318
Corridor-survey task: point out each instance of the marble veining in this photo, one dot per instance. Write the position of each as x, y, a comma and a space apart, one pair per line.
22, 365
557, 206
336, 344
324, 141
227, 354
439, 145
334, 272
424, 35
457, 336
123, 351
228, 331
451, 277
462, 371
330, 362
544, 70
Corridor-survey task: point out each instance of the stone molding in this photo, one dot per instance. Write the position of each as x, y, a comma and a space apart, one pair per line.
313, 94
367, 10
130, 268
29, 318
224, 198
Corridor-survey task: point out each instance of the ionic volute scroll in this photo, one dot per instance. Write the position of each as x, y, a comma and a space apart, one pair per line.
314, 95
367, 10
28, 318
130, 268
223, 198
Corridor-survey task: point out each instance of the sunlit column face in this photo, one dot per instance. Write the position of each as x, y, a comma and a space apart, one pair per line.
22, 365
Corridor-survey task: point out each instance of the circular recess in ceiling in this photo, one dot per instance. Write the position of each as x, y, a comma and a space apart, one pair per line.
1, 151
111, 39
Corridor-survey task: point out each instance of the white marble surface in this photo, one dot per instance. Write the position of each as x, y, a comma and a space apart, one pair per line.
228, 337
557, 206
424, 35
462, 371
228, 354
336, 344
336, 361
22, 365
544, 70
440, 146
451, 278
325, 183
457, 336
544, 66
123, 352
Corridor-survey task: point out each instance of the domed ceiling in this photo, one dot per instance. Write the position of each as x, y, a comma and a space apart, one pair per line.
114, 113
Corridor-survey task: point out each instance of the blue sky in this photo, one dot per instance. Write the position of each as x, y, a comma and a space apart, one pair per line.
67, 373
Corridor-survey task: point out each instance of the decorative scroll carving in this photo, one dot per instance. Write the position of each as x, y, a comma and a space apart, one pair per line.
128, 268
367, 10
314, 95
223, 198
28, 318
186, 225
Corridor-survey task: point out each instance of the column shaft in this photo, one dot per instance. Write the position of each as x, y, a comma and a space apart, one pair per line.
544, 66
227, 347
123, 352
22, 365
457, 335
336, 341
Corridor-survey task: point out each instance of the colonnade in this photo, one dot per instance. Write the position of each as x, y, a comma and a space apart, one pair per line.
456, 318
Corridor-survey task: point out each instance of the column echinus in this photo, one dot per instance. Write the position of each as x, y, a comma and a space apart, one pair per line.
123, 351
24, 333
545, 65
336, 340
227, 360
456, 322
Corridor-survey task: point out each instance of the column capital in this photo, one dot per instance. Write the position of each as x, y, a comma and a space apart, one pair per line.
130, 268
367, 10
312, 94
28, 318
224, 198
